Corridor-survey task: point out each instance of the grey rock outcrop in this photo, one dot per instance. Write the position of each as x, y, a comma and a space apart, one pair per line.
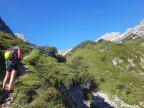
21, 36
110, 36
64, 52
4, 27
75, 95
131, 33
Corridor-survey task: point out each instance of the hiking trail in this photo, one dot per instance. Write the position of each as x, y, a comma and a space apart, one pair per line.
7, 100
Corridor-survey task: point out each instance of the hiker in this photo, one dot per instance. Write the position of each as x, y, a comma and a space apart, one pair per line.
12, 56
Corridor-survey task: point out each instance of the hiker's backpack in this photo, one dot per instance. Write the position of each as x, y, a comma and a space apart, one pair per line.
16, 55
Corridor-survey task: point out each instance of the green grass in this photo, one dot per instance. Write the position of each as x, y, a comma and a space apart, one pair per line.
98, 59
38, 87
89, 62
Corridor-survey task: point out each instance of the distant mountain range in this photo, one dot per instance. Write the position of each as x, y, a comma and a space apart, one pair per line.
131, 33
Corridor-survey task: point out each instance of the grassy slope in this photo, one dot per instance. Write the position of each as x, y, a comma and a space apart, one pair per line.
99, 58
38, 87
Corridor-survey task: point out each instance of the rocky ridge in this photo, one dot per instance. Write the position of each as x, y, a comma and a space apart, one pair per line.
4, 27
21, 36
131, 33
64, 52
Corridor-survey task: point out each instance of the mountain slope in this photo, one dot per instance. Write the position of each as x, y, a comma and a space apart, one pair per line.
4, 27
42, 86
48, 83
118, 67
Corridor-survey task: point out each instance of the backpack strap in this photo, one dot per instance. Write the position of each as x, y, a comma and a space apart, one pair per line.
9, 49
19, 53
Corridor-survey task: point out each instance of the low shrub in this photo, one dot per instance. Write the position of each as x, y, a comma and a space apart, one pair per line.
76, 62
103, 58
52, 94
102, 80
100, 40
127, 92
120, 86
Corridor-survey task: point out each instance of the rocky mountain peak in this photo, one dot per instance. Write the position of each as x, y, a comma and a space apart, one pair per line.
131, 33
111, 36
21, 36
4, 27
142, 22
64, 52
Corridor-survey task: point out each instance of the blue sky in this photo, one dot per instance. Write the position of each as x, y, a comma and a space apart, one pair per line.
66, 23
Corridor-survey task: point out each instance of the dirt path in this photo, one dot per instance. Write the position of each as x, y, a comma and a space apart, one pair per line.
7, 100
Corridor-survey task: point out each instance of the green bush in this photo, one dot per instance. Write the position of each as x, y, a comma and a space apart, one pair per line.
76, 62
102, 80
26, 97
103, 58
120, 86
52, 94
60, 58
119, 44
100, 40
127, 92
50, 50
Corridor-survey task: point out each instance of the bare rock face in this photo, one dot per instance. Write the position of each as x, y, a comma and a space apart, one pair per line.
131, 33
64, 52
111, 36
21, 36
4, 27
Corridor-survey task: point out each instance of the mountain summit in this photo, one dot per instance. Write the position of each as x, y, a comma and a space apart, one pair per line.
131, 33
21, 36
4, 27
64, 52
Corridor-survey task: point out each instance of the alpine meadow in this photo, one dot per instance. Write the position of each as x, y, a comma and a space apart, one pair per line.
106, 73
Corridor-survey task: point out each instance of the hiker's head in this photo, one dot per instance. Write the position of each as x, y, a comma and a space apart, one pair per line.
8, 55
